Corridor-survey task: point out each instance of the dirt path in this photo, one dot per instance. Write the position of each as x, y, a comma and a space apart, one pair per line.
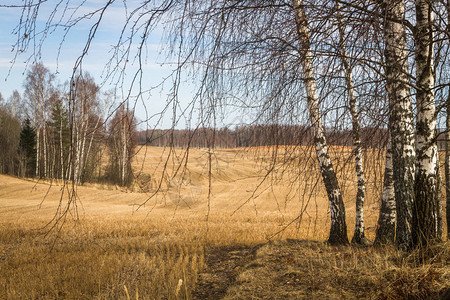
223, 265
299, 269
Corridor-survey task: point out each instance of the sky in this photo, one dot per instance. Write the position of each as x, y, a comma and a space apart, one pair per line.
59, 54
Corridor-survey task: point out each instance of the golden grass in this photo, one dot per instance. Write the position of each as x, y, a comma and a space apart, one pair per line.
109, 250
296, 269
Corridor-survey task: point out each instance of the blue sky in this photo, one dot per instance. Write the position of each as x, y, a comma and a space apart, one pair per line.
154, 68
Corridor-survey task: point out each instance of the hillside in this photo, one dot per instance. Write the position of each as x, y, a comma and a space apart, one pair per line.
193, 239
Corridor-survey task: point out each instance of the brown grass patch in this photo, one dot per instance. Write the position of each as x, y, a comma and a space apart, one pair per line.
295, 269
165, 249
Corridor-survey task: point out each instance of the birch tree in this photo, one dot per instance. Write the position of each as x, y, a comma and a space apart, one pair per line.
60, 138
121, 146
400, 117
338, 230
447, 165
425, 209
385, 233
85, 121
266, 57
358, 235
38, 89
447, 138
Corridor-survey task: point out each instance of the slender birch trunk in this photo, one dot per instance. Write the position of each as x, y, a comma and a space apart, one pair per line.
447, 147
338, 230
425, 208
42, 101
38, 149
90, 143
76, 157
358, 235
124, 148
385, 233
400, 118
84, 129
447, 165
440, 224
61, 146
44, 142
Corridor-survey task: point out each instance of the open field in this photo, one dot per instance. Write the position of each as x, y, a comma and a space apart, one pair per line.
202, 234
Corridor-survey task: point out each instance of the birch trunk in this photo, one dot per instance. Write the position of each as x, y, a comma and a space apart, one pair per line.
358, 235
425, 209
44, 136
38, 149
41, 104
81, 135
338, 230
61, 148
82, 148
447, 165
447, 147
385, 233
124, 151
77, 144
400, 118
440, 224
90, 143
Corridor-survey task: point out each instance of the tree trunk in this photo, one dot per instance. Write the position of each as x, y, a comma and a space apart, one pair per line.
123, 138
447, 146
400, 118
425, 208
44, 139
385, 233
61, 146
358, 235
440, 225
38, 148
447, 166
90, 143
338, 230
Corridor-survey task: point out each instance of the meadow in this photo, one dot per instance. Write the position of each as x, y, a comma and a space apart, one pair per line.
228, 223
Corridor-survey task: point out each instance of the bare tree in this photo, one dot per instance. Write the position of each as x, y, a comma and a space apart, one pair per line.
358, 235
84, 120
400, 117
38, 89
338, 231
274, 60
385, 233
447, 137
121, 146
425, 209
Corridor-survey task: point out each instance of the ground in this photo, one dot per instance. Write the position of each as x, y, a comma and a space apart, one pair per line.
296, 269
254, 236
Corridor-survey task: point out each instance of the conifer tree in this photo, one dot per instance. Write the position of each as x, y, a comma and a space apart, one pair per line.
27, 147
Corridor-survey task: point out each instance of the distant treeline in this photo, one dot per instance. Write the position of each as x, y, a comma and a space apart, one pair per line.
59, 132
254, 136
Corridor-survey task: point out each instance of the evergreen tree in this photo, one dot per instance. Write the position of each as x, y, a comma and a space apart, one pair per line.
27, 148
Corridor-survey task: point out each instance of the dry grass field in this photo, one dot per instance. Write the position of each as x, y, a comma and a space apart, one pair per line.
234, 224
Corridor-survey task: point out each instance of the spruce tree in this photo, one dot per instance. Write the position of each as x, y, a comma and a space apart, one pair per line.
27, 147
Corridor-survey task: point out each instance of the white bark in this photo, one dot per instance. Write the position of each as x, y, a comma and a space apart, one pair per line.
90, 141
358, 235
425, 216
338, 231
38, 148
400, 118
385, 233
61, 146
447, 163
